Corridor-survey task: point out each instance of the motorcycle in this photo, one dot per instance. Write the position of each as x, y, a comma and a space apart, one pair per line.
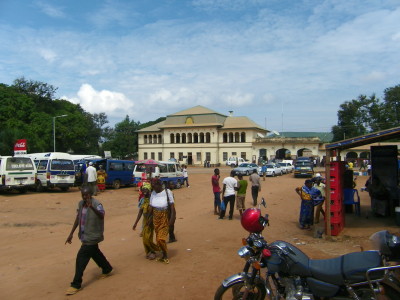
291, 274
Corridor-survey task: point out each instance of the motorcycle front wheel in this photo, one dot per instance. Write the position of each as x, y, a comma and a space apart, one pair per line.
235, 291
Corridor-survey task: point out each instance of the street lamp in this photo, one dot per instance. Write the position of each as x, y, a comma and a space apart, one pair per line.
54, 130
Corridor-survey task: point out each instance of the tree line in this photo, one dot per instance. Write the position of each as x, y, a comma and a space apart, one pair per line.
28, 108
368, 114
27, 111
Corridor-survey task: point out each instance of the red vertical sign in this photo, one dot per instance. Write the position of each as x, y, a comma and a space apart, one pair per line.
20, 147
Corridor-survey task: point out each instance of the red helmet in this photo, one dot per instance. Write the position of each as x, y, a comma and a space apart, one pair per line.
252, 220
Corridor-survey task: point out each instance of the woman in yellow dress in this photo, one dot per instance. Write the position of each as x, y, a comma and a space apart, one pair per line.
101, 179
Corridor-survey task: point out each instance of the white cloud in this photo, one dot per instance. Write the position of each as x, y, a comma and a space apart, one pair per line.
48, 54
50, 10
112, 103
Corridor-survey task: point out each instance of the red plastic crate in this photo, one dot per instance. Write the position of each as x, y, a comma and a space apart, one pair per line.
336, 194
335, 183
336, 228
336, 206
337, 217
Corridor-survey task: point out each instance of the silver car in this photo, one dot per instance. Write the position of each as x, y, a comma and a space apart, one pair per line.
245, 169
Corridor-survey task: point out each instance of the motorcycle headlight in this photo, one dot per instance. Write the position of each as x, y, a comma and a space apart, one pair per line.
244, 252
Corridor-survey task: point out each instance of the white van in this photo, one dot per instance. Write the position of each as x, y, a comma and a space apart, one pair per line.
54, 169
168, 172
234, 161
17, 173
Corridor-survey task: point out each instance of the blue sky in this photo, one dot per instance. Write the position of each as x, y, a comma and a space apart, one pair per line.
287, 65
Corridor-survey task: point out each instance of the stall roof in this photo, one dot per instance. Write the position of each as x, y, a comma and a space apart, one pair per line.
369, 138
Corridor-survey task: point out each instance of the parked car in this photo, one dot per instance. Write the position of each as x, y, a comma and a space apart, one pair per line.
303, 169
272, 170
245, 169
234, 161
286, 167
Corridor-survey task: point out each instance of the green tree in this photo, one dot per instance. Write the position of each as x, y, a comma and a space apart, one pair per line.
122, 140
392, 106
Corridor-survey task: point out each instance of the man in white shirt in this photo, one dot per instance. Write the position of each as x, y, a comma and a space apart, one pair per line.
228, 192
91, 173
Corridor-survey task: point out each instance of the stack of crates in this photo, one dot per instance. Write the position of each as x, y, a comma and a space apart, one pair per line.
337, 169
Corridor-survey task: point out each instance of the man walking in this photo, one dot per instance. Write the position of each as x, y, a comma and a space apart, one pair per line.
228, 192
241, 194
90, 219
92, 178
255, 186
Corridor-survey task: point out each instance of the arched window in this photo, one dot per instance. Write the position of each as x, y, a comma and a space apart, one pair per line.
243, 137
145, 138
178, 138
195, 138
202, 137
225, 137
237, 140
155, 139
184, 138
230, 137
159, 139
150, 139
172, 138
208, 137
190, 138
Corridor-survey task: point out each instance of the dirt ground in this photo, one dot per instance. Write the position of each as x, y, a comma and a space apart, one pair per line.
36, 264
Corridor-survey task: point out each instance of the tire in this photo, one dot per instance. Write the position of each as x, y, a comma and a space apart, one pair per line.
247, 173
273, 174
116, 184
178, 184
235, 291
39, 187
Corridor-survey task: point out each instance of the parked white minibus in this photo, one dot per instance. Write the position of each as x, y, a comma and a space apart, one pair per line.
17, 173
54, 169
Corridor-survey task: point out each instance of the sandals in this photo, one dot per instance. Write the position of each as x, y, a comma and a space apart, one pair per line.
71, 291
163, 260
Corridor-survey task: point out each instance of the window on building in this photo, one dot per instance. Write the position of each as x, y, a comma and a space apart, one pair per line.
145, 138
178, 138
183, 138
145, 155
243, 137
195, 138
159, 139
190, 138
150, 139
172, 138
230, 137
153, 155
159, 155
155, 139
237, 140
171, 155
243, 155
198, 156
208, 137
224, 156
225, 137
180, 156
234, 153
208, 156
201, 137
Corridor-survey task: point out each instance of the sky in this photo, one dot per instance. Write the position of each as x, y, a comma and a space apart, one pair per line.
287, 65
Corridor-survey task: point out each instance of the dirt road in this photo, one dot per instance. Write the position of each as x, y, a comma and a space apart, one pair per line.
36, 264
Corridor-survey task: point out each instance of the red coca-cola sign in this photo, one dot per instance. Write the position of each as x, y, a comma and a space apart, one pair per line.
20, 147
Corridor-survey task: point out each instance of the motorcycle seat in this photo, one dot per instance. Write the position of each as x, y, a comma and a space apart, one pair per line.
349, 268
